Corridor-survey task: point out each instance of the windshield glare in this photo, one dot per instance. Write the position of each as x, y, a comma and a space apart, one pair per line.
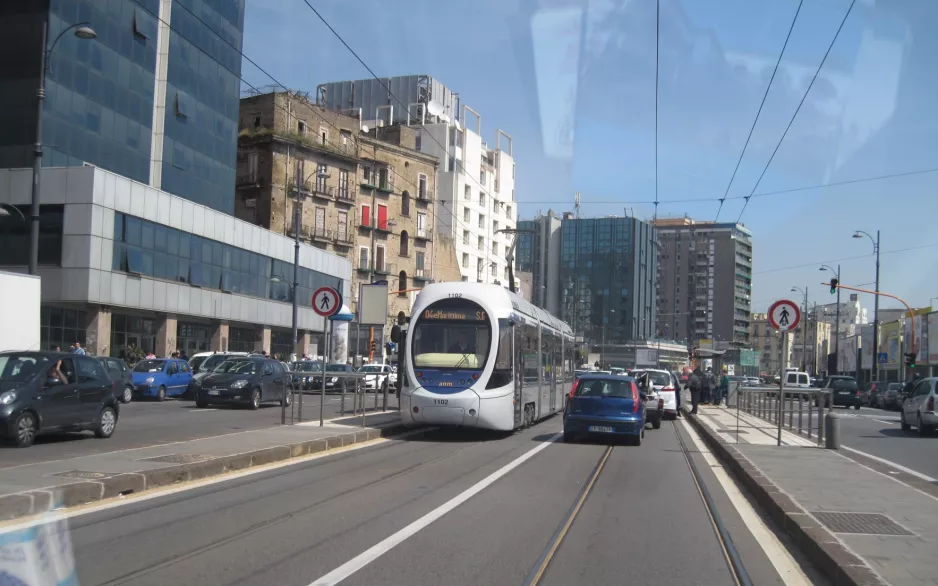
371, 368
210, 362
307, 366
149, 366
18, 368
236, 367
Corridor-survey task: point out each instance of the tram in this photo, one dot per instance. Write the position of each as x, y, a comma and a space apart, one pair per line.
477, 355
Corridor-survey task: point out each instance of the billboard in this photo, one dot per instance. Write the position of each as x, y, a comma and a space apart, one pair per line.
890, 344
848, 354
646, 357
932, 338
866, 345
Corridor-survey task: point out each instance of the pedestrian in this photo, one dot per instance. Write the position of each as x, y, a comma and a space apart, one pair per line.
56, 348
723, 388
693, 383
77, 349
706, 386
183, 355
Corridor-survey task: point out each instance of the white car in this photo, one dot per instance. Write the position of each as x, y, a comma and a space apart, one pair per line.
377, 376
664, 387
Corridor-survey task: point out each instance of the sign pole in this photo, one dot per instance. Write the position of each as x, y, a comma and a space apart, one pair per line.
781, 385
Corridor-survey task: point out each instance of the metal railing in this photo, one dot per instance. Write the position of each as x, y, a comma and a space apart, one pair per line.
352, 395
801, 411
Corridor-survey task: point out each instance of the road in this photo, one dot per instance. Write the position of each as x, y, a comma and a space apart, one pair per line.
643, 522
147, 423
876, 432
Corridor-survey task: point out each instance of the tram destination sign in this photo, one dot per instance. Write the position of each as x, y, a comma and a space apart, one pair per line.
453, 315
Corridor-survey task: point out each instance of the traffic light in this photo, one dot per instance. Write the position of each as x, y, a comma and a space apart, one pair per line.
910, 359
372, 345
834, 283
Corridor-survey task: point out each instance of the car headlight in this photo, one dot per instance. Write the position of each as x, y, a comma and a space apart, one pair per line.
239, 384
334, 379
7, 398
150, 380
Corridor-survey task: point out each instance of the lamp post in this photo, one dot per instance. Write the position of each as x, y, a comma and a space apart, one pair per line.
836, 318
320, 174
804, 330
82, 31
874, 368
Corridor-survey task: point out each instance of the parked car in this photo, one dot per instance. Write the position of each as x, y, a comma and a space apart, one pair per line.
245, 380
843, 391
119, 372
309, 370
918, 410
51, 391
336, 379
661, 392
204, 363
161, 378
605, 405
873, 393
376, 377
890, 398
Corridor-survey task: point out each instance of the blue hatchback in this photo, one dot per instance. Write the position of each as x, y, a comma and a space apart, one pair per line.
161, 377
605, 405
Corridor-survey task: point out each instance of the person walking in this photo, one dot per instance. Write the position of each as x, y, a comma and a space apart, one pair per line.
77, 349
706, 386
723, 389
693, 383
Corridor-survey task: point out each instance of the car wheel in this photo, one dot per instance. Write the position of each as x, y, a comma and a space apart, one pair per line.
25, 429
287, 399
857, 406
128, 395
637, 440
161, 394
920, 427
201, 404
567, 437
903, 423
106, 424
656, 424
256, 399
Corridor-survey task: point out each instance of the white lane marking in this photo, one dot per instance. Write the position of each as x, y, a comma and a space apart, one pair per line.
788, 569
881, 421
363, 559
900, 467
160, 492
203, 410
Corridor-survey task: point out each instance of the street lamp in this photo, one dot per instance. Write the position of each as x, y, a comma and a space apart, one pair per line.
804, 330
837, 319
296, 257
82, 31
874, 369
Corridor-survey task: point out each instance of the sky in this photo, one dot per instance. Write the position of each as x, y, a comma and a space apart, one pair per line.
629, 102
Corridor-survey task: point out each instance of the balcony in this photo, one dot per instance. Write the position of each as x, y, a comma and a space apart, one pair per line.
383, 268
345, 196
383, 227
386, 187
323, 191
247, 180
421, 275
344, 237
322, 234
424, 195
423, 235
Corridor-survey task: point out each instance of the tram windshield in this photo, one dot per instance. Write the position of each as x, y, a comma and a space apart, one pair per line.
451, 334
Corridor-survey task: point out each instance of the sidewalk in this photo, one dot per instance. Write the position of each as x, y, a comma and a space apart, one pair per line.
36, 488
857, 525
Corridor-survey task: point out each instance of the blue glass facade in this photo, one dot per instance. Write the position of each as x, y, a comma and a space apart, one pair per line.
100, 93
202, 98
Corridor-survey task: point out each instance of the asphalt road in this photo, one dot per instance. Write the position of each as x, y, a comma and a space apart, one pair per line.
146, 423
642, 523
877, 432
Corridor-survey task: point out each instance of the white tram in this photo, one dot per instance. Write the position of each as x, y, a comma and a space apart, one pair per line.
478, 355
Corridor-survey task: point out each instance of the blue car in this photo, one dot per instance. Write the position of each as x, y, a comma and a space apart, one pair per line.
605, 405
161, 378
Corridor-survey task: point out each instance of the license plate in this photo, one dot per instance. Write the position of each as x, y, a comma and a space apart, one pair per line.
213, 392
600, 428
844, 392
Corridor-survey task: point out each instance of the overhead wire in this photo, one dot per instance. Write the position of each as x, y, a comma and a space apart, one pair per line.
798, 109
761, 105
657, 70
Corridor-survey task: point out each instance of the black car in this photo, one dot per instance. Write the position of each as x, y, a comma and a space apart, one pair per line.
310, 371
53, 391
248, 380
119, 372
844, 391
336, 378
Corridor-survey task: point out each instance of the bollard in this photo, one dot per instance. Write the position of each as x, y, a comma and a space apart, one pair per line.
800, 412
832, 431
821, 417
791, 410
342, 403
810, 413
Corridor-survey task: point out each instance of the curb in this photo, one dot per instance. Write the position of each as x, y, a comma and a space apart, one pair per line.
822, 548
38, 501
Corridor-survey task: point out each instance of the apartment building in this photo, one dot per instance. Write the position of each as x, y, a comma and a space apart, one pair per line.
538, 253
704, 280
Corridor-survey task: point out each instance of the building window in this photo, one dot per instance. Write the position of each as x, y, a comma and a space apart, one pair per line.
465, 214
14, 236
384, 178
363, 258
322, 172
365, 215
482, 199
508, 209
482, 176
495, 248
494, 270
130, 332
301, 127
419, 263
481, 243
422, 225
405, 250
418, 138
465, 260
467, 193
405, 203
402, 282
323, 136
494, 226
343, 184
379, 258
61, 327
342, 228
481, 220
252, 167
422, 192
465, 237
382, 222
257, 121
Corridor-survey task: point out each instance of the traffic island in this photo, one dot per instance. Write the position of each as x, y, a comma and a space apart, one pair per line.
34, 489
820, 545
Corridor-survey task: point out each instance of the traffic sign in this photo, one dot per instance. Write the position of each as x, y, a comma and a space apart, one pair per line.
784, 315
327, 301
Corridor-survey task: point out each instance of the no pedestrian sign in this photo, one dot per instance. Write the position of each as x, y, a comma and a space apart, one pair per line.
784, 315
327, 301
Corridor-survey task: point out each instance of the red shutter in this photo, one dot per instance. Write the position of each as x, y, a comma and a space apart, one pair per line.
382, 217
366, 215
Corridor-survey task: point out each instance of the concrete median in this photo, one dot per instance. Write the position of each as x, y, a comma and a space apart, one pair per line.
159, 470
819, 545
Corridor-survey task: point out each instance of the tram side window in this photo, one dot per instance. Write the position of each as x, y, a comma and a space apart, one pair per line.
547, 356
501, 375
531, 358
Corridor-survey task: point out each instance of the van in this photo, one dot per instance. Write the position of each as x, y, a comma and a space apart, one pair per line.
797, 380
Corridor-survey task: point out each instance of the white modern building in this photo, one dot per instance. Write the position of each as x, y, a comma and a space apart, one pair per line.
476, 180
127, 265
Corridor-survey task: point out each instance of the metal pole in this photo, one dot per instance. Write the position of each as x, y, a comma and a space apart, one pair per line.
325, 360
804, 336
37, 159
296, 260
781, 386
837, 329
875, 366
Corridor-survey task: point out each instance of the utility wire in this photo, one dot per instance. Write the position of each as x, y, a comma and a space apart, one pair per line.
657, 69
761, 105
812, 264
798, 109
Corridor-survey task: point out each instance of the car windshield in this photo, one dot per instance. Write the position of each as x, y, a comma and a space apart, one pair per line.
236, 366
307, 366
372, 368
451, 334
604, 388
150, 366
659, 379
894, 387
338, 368
209, 363
20, 368
196, 362
844, 384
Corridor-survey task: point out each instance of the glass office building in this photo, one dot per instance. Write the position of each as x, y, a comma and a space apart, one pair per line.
608, 268
105, 104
